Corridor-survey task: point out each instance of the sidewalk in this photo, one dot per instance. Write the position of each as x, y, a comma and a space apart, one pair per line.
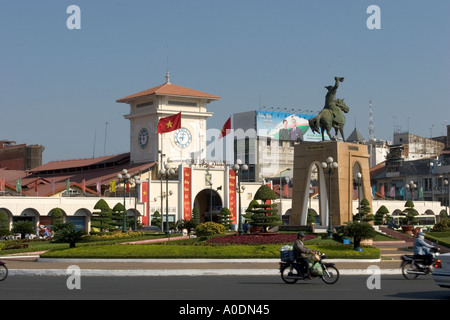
33, 265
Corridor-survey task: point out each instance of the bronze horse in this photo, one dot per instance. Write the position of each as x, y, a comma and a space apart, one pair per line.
330, 117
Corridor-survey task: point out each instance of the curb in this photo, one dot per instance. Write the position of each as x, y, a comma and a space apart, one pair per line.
196, 260
184, 272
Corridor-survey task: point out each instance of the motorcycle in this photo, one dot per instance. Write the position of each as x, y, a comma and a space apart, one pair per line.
291, 271
413, 266
3, 271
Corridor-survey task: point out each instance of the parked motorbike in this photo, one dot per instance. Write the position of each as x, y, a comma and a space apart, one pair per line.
291, 271
3, 271
413, 266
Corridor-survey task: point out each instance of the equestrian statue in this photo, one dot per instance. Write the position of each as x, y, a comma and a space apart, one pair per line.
332, 115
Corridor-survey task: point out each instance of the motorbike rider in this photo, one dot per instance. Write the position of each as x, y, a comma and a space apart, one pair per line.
421, 249
300, 252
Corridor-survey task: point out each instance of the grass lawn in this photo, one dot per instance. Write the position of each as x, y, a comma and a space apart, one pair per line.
107, 247
442, 237
196, 248
43, 245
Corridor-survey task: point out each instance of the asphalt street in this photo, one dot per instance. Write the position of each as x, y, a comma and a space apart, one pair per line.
218, 288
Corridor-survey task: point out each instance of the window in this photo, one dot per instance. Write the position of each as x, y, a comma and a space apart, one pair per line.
182, 103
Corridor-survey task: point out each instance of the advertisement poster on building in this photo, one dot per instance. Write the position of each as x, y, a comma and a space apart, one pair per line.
286, 126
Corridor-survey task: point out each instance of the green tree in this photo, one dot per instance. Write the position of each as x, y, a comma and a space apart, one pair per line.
264, 214
379, 215
156, 220
57, 216
195, 217
225, 217
359, 231
23, 227
4, 224
409, 213
311, 217
365, 211
117, 216
102, 219
67, 233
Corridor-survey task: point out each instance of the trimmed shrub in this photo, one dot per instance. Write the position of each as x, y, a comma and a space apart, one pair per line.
225, 217
210, 229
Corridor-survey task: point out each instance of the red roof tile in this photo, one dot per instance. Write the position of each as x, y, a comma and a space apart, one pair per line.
169, 89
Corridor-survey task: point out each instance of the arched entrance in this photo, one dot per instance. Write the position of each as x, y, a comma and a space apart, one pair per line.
209, 203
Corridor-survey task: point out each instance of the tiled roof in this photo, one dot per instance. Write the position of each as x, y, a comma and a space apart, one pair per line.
67, 164
169, 89
51, 177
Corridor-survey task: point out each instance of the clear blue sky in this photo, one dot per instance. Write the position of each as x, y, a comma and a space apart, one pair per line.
58, 87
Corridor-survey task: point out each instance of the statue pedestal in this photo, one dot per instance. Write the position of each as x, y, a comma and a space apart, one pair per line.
351, 159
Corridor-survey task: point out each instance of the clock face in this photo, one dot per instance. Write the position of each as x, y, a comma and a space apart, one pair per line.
183, 137
143, 138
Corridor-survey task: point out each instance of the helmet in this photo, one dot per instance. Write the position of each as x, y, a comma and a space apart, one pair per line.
301, 234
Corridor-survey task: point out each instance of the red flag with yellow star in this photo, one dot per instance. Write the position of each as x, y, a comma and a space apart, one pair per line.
169, 124
225, 129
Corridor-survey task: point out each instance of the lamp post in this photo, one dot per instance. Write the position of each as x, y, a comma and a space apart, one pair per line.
125, 176
238, 168
447, 195
137, 187
330, 166
411, 186
167, 171
432, 173
358, 177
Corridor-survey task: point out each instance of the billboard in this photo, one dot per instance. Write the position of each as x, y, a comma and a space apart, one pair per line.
286, 126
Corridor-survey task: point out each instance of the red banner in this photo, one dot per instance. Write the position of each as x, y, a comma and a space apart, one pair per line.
187, 181
232, 202
144, 199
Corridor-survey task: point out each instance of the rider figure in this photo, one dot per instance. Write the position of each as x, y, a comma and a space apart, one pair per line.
330, 103
300, 252
330, 97
421, 249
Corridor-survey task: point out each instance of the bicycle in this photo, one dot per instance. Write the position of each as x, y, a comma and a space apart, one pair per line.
3, 271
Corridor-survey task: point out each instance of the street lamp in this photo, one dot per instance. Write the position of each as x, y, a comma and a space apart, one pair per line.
167, 171
411, 186
137, 187
447, 195
125, 176
330, 166
358, 177
238, 168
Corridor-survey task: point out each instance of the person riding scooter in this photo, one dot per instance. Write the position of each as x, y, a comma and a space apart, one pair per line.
300, 252
421, 249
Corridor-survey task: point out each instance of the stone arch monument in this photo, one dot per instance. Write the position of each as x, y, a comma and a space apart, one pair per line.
309, 155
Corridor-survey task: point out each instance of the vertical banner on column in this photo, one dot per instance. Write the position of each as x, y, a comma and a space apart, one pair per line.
232, 195
144, 199
187, 180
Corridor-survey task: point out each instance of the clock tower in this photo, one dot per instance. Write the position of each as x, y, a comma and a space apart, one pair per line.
147, 107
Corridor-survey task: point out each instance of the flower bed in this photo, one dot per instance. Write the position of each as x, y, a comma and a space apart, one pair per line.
256, 239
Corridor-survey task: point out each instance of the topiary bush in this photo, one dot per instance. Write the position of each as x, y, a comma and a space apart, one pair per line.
380, 215
225, 218
210, 229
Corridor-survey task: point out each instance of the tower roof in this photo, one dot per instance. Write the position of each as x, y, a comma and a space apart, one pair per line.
355, 136
169, 89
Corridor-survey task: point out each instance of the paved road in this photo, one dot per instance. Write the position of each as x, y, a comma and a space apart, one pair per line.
210, 288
